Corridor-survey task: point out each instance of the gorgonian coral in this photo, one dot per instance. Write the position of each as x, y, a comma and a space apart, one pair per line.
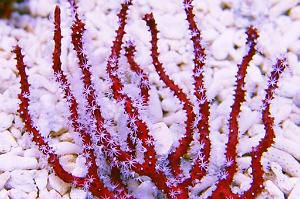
135, 155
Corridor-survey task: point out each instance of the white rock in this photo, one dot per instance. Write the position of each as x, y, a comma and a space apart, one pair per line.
4, 194
63, 148
3, 179
273, 190
33, 152
66, 196
289, 164
169, 26
243, 180
52, 194
227, 18
17, 194
295, 193
15, 132
281, 7
163, 137
5, 121
246, 144
68, 162
296, 99
77, 193
154, 107
32, 195
177, 117
244, 162
22, 180
295, 12
144, 190
18, 151
80, 168
247, 119
289, 88
41, 179
281, 112
41, 7
291, 131
222, 45
289, 146
47, 101
13, 162
283, 182
56, 183
7, 141
170, 105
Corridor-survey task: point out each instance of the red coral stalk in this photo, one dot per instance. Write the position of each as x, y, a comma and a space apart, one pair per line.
184, 142
135, 67
256, 155
222, 187
200, 167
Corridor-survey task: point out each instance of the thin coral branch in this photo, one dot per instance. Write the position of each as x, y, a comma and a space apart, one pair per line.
268, 121
184, 142
239, 97
202, 122
135, 67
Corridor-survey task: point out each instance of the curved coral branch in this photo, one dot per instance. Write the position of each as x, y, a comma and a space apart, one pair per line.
239, 97
268, 121
202, 123
184, 142
135, 67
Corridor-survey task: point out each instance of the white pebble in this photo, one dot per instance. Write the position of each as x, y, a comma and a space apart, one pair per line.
22, 180
41, 7
289, 164
77, 193
222, 45
4, 194
295, 193
7, 141
5, 121
3, 179
163, 137
41, 179
17, 194
63, 148
154, 107
295, 13
288, 146
56, 183
13, 162
144, 190
296, 98
273, 190
247, 119
52, 194
169, 26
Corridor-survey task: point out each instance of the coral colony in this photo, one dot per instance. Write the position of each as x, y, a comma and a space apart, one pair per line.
111, 159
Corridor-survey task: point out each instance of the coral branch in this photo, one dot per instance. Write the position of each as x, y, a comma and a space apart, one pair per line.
184, 142
144, 80
239, 98
202, 122
256, 155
